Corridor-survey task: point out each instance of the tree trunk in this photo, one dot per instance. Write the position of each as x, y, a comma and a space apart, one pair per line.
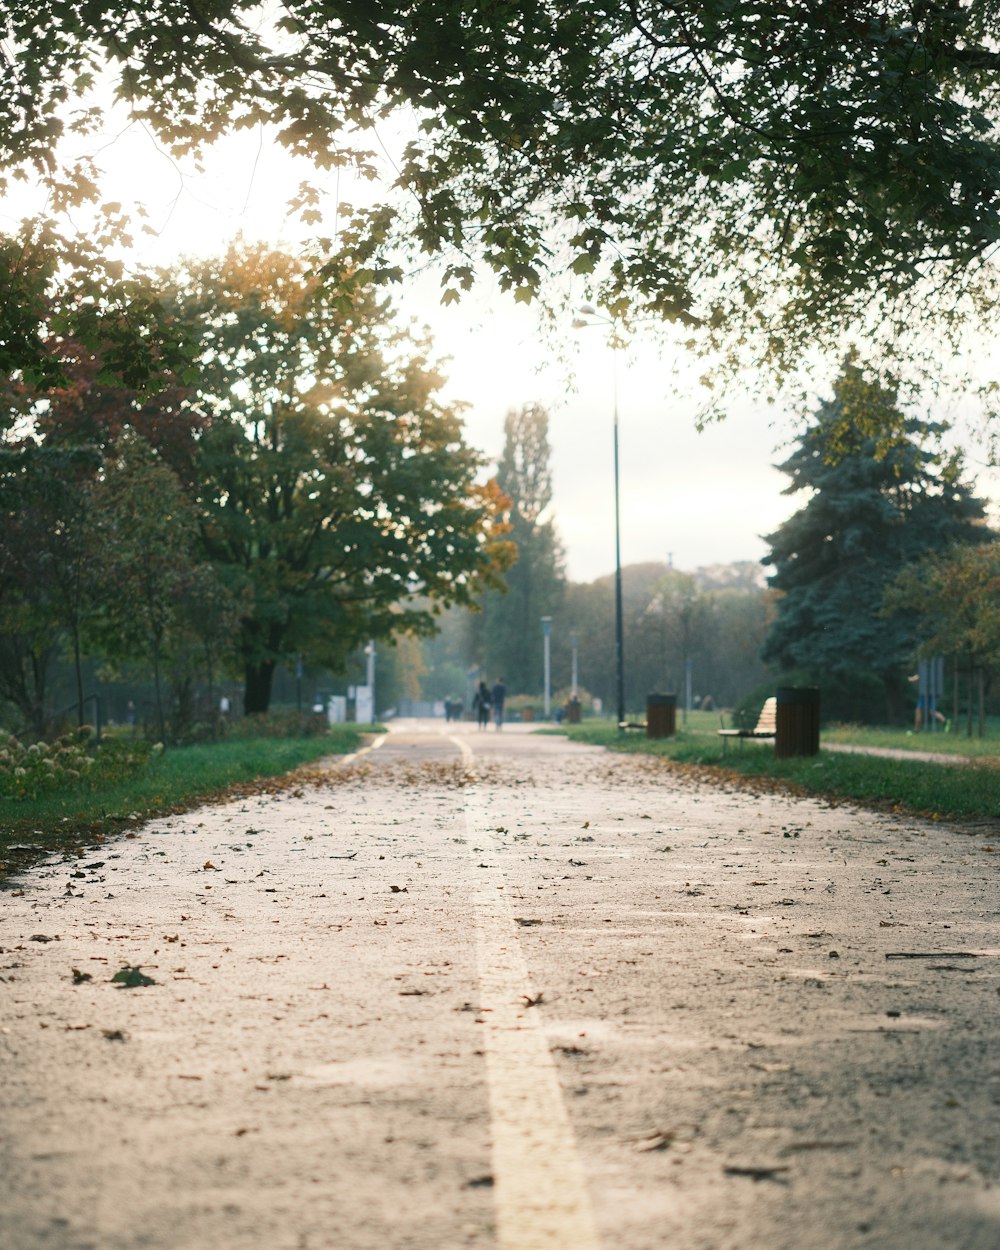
161, 723
981, 684
257, 688
892, 684
78, 669
968, 689
39, 667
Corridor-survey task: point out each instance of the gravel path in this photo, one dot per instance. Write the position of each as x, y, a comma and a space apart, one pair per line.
498, 990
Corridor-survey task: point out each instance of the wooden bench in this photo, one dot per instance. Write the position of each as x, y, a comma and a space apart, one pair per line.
765, 728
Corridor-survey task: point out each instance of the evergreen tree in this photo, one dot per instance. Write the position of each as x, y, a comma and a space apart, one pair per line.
873, 510
507, 638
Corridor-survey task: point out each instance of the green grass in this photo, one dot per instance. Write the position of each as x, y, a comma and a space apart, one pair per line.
940, 743
181, 778
968, 792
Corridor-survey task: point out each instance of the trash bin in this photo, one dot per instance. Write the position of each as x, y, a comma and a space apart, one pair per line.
796, 721
528, 713
573, 712
661, 715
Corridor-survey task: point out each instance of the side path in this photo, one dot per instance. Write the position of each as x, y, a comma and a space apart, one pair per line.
502, 991
897, 753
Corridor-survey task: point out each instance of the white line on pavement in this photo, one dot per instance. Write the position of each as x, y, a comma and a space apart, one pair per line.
341, 760
539, 1188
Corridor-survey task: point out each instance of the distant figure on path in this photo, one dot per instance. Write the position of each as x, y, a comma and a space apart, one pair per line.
498, 696
481, 702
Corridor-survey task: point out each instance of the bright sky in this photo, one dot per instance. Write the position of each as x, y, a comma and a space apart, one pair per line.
692, 498
688, 497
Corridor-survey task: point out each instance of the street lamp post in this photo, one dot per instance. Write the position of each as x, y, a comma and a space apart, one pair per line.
370, 673
590, 316
547, 652
574, 680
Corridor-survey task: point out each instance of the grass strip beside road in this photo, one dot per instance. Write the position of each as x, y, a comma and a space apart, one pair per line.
942, 791
181, 778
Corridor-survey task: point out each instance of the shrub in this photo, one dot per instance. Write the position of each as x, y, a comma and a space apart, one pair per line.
283, 724
29, 771
747, 711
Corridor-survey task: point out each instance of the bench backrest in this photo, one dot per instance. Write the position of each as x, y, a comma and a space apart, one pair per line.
767, 721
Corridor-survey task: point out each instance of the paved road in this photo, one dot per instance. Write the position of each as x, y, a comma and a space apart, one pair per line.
496, 990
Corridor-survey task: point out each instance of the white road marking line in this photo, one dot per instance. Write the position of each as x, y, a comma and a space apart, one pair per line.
341, 760
539, 1187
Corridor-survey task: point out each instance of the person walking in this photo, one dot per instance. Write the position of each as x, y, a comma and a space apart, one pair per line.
497, 697
481, 703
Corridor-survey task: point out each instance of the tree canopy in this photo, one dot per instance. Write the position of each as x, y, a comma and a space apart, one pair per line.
768, 175
308, 490
956, 596
334, 491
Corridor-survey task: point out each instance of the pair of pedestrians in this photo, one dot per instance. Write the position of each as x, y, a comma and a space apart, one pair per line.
489, 702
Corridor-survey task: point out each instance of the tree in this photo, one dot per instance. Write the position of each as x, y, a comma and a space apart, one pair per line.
54, 439
48, 564
953, 596
872, 511
145, 531
714, 617
29, 642
762, 173
333, 490
507, 636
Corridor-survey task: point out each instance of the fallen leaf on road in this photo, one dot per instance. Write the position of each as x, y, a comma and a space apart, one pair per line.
129, 978
756, 1174
671, 1138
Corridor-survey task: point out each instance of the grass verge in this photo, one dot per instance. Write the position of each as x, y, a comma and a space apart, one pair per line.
965, 792
940, 743
181, 778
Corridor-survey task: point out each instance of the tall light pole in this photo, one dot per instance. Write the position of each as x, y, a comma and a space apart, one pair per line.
590, 316
574, 681
547, 652
370, 653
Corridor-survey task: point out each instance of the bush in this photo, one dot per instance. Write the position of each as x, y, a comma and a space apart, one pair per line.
27, 772
747, 711
515, 704
285, 724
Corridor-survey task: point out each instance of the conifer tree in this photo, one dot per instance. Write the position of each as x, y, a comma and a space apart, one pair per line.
872, 510
508, 636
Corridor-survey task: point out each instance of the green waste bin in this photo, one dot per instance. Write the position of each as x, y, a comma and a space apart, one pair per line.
796, 721
573, 711
661, 715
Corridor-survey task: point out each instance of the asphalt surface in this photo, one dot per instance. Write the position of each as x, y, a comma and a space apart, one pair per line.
498, 990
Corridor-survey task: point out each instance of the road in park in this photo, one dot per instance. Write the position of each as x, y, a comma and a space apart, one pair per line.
496, 990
